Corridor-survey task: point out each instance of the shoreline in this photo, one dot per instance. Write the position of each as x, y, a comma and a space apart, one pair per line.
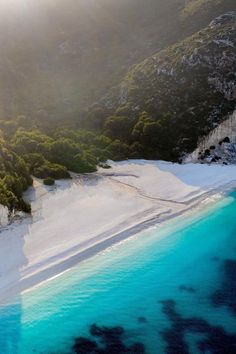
65, 264
35, 274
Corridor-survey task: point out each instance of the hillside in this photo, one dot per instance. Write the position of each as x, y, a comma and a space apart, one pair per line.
58, 57
184, 90
58, 60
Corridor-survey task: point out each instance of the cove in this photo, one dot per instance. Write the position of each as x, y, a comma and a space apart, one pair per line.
170, 289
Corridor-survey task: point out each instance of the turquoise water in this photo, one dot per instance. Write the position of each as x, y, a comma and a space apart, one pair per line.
171, 288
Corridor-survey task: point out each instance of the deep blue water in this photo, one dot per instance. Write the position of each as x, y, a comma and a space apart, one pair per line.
172, 289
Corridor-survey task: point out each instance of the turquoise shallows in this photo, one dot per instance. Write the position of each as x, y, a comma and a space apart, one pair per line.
182, 261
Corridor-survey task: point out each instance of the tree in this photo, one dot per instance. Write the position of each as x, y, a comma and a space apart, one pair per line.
118, 127
95, 119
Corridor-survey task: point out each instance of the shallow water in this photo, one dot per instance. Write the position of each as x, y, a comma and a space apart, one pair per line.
171, 288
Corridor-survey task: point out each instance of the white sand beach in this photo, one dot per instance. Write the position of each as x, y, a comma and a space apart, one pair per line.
78, 218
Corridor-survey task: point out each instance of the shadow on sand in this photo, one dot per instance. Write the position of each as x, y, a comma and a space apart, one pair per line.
12, 259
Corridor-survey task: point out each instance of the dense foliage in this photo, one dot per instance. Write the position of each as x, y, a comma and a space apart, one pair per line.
49, 181
158, 111
33, 152
14, 178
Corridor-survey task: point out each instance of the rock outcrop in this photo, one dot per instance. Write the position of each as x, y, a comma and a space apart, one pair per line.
219, 146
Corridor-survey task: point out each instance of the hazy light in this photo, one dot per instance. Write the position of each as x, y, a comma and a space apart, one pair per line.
16, 8
15, 5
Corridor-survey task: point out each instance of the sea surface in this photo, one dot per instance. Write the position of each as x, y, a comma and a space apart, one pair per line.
170, 289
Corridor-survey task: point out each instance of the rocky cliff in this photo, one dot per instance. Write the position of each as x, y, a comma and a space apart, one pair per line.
219, 147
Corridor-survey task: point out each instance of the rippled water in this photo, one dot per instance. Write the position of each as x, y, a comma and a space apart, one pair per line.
172, 288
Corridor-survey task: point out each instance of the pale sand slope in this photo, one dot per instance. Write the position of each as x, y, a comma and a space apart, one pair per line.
168, 181
88, 214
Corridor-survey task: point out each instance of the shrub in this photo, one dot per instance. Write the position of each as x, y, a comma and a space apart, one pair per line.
24, 206
51, 170
81, 165
119, 127
49, 181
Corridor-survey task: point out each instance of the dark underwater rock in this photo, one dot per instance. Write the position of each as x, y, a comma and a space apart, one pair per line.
188, 289
218, 342
215, 259
108, 340
142, 319
84, 346
103, 331
227, 294
216, 339
174, 338
137, 348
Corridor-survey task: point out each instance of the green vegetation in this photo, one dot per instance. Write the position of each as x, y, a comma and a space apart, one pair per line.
49, 156
158, 111
94, 43
14, 178
167, 102
204, 7
49, 181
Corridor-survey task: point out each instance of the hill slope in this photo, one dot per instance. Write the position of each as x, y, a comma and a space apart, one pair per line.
59, 56
185, 90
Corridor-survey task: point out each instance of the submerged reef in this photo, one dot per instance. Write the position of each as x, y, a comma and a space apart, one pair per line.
188, 289
106, 340
226, 296
212, 339
208, 338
